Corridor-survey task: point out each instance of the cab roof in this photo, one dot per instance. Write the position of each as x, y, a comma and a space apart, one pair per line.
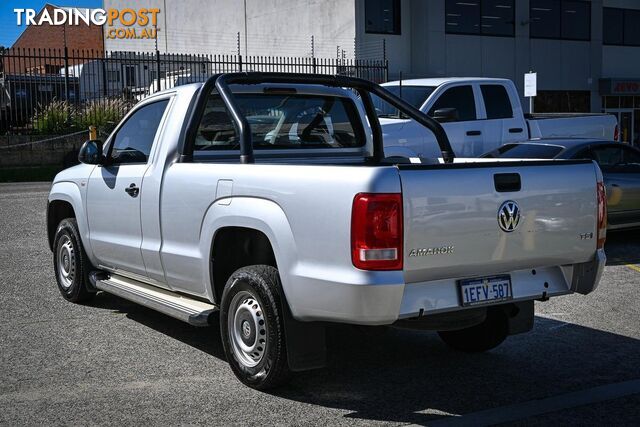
438, 81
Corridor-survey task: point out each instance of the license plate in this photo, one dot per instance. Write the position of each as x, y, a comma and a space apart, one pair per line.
485, 290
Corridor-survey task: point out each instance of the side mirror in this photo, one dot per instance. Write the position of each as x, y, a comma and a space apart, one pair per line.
91, 153
444, 115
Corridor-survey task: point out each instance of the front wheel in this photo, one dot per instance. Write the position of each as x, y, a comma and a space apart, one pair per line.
70, 262
252, 327
481, 337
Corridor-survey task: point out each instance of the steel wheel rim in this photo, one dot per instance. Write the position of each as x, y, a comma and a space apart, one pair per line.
66, 261
247, 329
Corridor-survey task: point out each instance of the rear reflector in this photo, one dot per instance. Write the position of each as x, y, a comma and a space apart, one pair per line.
376, 231
602, 215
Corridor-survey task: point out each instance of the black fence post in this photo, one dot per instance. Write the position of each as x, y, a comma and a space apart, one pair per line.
384, 49
105, 89
158, 70
66, 73
240, 63
386, 70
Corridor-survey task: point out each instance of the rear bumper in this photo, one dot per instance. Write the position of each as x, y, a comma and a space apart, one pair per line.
390, 299
442, 296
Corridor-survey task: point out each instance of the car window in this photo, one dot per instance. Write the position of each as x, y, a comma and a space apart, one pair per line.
525, 151
630, 156
282, 121
616, 158
496, 102
607, 157
458, 97
414, 95
133, 141
585, 153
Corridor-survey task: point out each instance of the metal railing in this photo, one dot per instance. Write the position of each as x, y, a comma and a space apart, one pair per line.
60, 91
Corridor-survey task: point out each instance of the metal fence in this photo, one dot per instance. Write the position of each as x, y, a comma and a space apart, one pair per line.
61, 91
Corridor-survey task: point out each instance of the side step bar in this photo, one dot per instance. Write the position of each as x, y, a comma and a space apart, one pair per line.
183, 308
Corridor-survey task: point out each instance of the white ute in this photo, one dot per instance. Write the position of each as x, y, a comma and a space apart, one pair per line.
267, 197
478, 115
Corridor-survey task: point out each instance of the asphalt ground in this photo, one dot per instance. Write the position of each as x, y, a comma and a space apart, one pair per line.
113, 362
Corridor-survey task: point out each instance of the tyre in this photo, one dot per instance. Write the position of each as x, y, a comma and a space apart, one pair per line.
481, 337
70, 262
252, 327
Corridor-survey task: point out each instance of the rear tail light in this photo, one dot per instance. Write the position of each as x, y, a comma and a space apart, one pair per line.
376, 231
602, 215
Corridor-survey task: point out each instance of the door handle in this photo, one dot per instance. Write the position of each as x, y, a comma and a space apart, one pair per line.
132, 190
515, 130
473, 133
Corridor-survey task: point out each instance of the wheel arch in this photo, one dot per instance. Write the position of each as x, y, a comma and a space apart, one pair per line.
266, 240
57, 210
233, 248
273, 239
65, 200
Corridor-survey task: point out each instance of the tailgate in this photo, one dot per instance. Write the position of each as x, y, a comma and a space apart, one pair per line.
573, 126
452, 221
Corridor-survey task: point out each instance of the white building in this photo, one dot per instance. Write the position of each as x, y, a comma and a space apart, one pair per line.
586, 53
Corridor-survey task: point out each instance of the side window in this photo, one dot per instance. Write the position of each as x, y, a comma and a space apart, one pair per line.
458, 97
496, 102
607, 157
216, 129
282, 121
133, 142
631, 157
585, 153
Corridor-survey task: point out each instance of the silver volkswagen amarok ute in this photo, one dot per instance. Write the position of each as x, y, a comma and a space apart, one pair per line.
268, 198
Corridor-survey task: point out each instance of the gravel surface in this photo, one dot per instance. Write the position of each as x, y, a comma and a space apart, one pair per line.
113, 362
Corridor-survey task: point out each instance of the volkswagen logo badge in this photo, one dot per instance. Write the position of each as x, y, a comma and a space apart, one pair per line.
509, 216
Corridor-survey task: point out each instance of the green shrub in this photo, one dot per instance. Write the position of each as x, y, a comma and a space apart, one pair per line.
103, 113
60, 117
54, 118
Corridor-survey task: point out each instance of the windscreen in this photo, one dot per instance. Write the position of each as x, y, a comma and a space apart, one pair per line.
525, 151
414, 95
283, 121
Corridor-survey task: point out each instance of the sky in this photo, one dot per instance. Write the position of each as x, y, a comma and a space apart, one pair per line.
9, 31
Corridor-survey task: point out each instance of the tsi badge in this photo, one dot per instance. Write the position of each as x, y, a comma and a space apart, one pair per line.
509, 216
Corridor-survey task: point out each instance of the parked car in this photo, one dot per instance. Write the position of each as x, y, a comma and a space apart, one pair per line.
620, 165
479, 115
196, 203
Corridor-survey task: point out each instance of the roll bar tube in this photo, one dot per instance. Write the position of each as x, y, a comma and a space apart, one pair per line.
365, 88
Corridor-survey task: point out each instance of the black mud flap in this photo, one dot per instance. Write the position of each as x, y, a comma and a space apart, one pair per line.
306, 342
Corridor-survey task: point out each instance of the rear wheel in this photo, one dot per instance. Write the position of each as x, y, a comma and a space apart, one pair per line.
252, 327
481, 337
70, 262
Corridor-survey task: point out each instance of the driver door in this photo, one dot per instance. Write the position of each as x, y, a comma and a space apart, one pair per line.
113, 193
465, 130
